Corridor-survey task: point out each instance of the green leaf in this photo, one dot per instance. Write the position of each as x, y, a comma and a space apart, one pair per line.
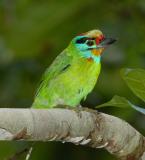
116, 101
135, 79
121, 102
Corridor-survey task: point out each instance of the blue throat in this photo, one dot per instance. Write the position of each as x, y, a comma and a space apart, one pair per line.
88, 54
84, 52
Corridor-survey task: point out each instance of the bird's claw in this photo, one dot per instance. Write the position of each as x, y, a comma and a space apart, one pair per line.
78, 110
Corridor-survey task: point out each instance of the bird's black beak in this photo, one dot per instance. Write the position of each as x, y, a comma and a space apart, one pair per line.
106, 42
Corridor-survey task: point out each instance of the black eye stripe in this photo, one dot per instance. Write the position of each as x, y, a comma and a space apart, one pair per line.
81, 40
84, 39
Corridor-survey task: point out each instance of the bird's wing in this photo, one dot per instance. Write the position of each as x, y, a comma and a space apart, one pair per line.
59, 65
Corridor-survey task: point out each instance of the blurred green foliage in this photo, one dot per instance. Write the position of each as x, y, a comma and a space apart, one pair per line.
33, 32
135, 80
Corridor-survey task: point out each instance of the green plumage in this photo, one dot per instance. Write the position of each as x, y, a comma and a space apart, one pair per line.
74, 73
67, 81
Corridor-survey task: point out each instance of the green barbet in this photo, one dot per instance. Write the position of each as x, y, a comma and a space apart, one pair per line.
74, 73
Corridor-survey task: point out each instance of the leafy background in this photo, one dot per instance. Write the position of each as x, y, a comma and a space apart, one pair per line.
33, 32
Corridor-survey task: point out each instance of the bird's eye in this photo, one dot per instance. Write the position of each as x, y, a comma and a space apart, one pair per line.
90, 43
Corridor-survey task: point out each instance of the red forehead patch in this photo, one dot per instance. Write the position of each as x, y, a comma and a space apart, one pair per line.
99, 39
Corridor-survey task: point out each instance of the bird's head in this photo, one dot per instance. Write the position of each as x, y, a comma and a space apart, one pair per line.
90, 45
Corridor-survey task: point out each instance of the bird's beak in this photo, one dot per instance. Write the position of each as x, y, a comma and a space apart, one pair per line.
106, 42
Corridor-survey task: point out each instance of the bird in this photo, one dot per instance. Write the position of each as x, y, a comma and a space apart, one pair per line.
74, 72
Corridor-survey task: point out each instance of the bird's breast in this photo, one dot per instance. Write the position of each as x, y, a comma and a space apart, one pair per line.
83, 74
75, 82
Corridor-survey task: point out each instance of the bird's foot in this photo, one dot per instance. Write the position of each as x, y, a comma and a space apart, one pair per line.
80, 107
78, 110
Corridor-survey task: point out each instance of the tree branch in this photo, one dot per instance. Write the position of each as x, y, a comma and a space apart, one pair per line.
85, 127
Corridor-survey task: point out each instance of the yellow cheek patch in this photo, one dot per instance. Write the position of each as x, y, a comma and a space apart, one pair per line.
97, 52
